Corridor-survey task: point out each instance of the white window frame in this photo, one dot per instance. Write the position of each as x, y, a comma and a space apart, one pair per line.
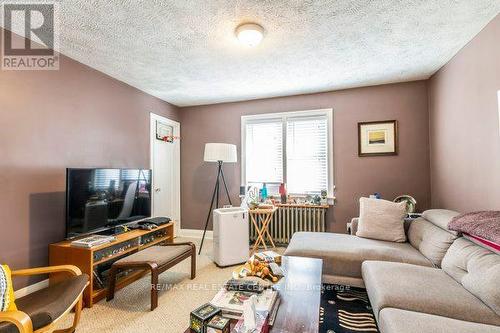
283, 116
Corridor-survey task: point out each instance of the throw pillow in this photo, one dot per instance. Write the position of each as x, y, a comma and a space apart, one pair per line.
6, 290
381, 219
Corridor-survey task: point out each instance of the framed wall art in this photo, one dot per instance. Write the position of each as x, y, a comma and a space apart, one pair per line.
164, 132
378, 138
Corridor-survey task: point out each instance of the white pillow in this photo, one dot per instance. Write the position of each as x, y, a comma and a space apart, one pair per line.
381, 219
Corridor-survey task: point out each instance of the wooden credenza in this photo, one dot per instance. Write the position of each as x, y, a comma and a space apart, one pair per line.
100, 257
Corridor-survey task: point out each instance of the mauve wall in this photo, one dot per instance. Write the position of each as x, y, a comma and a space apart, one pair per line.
354, 176
50, 120
464, 131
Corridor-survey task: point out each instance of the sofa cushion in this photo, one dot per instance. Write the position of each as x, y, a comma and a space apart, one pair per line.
476, 269
441, 218
343, 254
396, 321
430, 240
352, 227
381, 219
422, 289
46, 305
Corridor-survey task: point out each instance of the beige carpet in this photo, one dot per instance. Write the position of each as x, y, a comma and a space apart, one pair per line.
129, 311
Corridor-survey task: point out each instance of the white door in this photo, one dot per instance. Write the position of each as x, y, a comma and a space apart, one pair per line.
165, 163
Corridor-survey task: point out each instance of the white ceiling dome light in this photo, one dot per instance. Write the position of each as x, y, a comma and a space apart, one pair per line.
250, 34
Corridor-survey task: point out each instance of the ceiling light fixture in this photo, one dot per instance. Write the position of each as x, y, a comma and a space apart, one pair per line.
250, 34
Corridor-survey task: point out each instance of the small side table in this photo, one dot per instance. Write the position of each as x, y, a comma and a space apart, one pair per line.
265, 216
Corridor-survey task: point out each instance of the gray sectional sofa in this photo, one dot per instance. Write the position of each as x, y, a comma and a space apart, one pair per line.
435, 282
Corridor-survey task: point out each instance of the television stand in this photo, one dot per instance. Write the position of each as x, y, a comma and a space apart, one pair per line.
97, 260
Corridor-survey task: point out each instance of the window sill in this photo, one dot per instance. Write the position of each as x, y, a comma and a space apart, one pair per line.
330, 200
298, 205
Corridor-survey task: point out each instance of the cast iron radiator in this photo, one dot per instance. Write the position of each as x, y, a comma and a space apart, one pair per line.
292, 218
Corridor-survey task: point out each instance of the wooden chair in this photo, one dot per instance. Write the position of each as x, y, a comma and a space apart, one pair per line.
40, 311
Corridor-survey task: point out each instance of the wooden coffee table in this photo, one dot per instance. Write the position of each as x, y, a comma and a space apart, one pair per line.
300, 293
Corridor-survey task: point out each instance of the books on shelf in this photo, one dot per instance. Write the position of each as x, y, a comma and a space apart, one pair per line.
98, 281
92, 241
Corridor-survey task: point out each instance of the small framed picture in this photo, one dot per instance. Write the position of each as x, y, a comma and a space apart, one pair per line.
164, 132
378, 138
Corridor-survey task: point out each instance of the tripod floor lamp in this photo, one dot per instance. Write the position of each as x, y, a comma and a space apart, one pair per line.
220, 153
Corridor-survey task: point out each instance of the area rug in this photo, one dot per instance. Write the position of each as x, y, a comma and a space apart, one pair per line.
345, 309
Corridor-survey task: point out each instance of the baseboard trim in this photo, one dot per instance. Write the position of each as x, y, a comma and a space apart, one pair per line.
195, 233
31, 288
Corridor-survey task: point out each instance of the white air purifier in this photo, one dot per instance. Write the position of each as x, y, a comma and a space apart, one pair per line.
231, 236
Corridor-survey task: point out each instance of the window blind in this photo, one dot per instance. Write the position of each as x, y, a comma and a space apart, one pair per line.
130, 174
135, 174
307, 154
288, 147
264, 151
103, 178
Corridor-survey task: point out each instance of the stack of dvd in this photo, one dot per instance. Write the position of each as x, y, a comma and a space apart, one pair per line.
92, 241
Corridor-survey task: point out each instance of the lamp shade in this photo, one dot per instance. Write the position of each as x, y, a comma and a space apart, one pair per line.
224, 152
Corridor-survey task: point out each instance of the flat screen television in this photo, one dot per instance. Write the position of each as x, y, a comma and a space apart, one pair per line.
98, 200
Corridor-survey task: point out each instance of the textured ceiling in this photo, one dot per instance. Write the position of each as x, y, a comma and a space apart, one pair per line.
185, 52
